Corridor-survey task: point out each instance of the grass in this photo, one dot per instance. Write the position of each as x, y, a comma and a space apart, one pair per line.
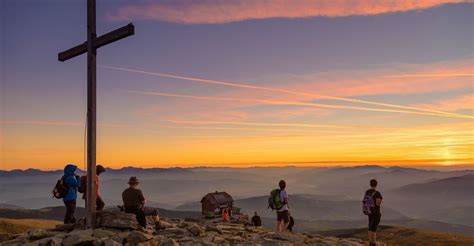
14, 226
395, 235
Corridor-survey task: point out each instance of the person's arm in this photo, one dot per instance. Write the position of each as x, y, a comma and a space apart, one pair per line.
73, 181
378, 199
141, 198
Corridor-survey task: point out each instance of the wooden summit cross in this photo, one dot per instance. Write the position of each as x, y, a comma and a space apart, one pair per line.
90, 46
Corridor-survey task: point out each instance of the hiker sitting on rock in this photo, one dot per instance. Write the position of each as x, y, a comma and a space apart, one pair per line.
256, 220
134, 203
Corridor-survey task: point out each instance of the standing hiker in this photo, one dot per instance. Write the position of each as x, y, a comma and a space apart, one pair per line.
99, 202
283, 216
134, 203
72, 182
371, 207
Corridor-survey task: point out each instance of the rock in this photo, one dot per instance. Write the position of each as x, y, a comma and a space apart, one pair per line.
163, 225
79, 237
169, 242
111, 242
219, 240
64, 227
116, 220
195, 220
16, 241
103, 233
38, 234
236, 239
213, 228
195, 230
137, 237
4, 237
120, 237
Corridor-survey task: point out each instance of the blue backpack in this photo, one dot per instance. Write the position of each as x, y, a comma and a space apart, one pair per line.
368, 204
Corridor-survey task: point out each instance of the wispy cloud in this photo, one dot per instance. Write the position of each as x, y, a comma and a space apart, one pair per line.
311, 95
453, 104
296, 103
217, 12
431, 75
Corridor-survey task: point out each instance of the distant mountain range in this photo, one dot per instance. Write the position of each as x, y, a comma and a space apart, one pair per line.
327, 195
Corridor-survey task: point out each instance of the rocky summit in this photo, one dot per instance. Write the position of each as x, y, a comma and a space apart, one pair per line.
118, 228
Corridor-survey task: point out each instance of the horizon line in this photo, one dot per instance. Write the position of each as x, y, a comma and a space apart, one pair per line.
296, 164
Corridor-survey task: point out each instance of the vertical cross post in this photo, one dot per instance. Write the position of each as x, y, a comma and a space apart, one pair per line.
91, 115
90, 47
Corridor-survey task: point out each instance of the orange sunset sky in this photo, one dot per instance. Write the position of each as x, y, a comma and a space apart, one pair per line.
242, 83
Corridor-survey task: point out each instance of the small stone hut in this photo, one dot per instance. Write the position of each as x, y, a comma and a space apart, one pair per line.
216, 201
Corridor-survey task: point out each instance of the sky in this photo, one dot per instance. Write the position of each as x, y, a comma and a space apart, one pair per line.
241, 83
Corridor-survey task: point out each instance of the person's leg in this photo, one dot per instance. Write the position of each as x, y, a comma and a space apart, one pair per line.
66, 215
141, 218
73, 211
70, 209
279, 222
286, 220
100, 204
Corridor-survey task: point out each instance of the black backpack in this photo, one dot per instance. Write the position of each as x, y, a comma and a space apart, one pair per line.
83, 187
60, 189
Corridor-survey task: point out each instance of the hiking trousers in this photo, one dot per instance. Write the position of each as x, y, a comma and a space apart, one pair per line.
138, 211
70, 210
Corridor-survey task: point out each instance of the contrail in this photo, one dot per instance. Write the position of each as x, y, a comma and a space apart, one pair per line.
309, 104
431, 75
240, 85
244, 123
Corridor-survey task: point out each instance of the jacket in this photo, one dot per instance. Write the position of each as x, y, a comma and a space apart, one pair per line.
71, 181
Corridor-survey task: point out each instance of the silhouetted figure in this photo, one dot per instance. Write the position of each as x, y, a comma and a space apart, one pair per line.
72, 182
372, 202
256, 220
283, 216
100, 204
134, 203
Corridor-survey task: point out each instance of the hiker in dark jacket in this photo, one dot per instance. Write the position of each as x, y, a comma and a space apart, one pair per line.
375, 215
72, 182
134, 203
256, 220
100, 204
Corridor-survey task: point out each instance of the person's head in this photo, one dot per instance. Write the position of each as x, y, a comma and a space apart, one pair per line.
282, 184
69, 169
99, 169
373, 183
256, 213
133, 181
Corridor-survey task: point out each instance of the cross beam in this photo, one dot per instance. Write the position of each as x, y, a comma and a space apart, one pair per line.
103, 40
90, 47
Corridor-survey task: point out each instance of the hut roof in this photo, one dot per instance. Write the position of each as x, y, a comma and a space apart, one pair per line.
218, 198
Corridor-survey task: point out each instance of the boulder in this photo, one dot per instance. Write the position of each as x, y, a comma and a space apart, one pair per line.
38, 234
213, 228
169, 242
79, 237
136, 237
103, 233
111, 242
163, 225
119, 220
195, 230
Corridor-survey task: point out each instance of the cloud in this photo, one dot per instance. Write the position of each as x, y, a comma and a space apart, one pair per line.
453, 104
298, 103
407, 109
226, 11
